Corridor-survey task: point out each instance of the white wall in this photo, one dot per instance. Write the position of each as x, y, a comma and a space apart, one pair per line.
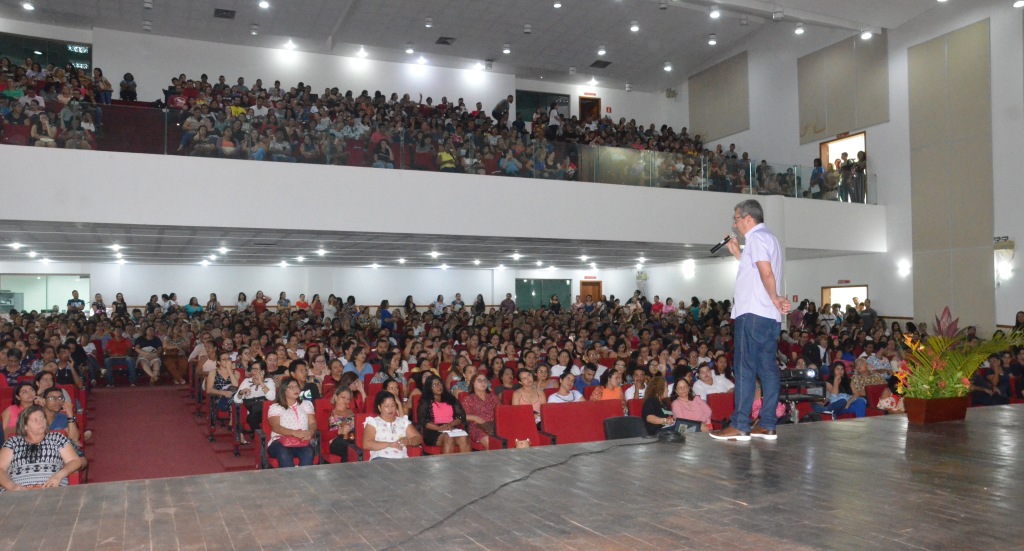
39, 30
645, 107
154, 60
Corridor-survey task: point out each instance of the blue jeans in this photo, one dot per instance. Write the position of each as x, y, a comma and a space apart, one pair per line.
756, 343
857, 407
285, 456
127, 362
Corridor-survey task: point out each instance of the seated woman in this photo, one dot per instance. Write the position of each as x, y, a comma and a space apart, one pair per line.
254, 390
566, 390
528, 394
389, 436
395, 387
657, 410
507, 380
611, 387
292, 423
463, 371
690, 411
389, 367
342, 422
420, 378
352, 382
544, 380
840, 398
24, 396
442, 418
222, 383
481, 407
36, 457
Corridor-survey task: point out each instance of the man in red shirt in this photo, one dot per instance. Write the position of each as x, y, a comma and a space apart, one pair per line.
118, 352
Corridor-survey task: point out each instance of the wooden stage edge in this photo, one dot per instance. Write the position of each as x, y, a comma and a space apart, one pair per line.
871, 483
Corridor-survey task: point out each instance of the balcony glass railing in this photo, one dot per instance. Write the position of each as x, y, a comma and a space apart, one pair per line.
133, 129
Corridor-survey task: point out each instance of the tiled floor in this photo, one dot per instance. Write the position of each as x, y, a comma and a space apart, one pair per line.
858, 484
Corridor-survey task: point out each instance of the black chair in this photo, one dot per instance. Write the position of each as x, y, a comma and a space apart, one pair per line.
617, 428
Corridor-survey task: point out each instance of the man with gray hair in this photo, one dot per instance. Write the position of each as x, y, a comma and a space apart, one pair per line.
758, 312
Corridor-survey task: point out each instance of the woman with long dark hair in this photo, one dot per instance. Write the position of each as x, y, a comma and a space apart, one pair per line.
442, 418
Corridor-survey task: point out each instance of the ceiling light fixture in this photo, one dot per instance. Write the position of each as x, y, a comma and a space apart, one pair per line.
592, 81
223, 250
115, 247
444, 266
147, 25
320, 252
122, 261
639, 267
634, 26
601, 50
118, 255
147, 4
374, 266
28, 6
362, 52
593, 265
584, 257
408, 49
799, 28
629, 87
401, 261
476, 262
506, 48
527, 29
283, 264
37, 52
434, 254
32, 254
478, 66
1019, 4
290, 45
212, 257
264, 4
712, 39
300, 258
540, 263
15, 245
557, 5
45, 260
642, 260
715, 12
422, 60
428, 23
866, 35
204, 263
501, 266
516, 256
668, 67
254, 29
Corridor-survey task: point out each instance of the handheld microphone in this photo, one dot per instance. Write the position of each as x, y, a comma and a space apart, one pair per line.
721, 244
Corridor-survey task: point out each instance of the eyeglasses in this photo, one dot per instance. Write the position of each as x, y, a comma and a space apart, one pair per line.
55, 398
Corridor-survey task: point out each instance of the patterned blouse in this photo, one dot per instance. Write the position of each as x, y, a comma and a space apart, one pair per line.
34, 464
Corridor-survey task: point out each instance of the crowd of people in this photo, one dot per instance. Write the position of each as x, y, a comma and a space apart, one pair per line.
297, 124
293, 353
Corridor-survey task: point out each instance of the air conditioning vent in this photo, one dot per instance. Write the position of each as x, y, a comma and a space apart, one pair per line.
445, 41
223, 14
600, 64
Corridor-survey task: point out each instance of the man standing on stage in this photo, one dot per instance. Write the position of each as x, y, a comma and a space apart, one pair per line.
758, 313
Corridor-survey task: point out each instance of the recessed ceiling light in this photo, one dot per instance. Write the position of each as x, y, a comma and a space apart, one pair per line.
283, 264
290, 45
320, 252
408, 49
584, 257
866, 35
516, 256
540, 263
401, 261
799, 28
428, 23
1019, 4
552, 267
668, 67
601, 50
479, 66
15, 245
118, 255
32, 254
506, 48
264, 4
715, 12
45, 260
375, 265
476, 262
434, 254
634, 26
223, 250
28, 6
593, 265
642, 260
300, 258
204, 263
712, 39
362, 52
592, 81
501, 266
444, 266
422, 60
557, 5
115, 247
122, 261
639, 267
212, 257
37, 52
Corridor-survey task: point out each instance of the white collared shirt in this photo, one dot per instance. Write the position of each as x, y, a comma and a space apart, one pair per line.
751, 296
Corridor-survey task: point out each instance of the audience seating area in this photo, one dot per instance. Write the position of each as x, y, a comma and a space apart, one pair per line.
274, 123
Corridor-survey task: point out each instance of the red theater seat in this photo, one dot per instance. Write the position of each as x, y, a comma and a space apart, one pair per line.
515, 423
578, 421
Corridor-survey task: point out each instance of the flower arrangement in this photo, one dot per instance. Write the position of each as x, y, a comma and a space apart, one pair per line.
941, 366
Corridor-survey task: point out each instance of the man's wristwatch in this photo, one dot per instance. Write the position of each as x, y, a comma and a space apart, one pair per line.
73, 420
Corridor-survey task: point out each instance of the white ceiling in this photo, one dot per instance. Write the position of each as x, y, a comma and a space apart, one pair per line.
561, 38
82, 242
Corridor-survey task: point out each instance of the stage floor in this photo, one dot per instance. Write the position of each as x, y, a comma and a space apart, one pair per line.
858, 484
